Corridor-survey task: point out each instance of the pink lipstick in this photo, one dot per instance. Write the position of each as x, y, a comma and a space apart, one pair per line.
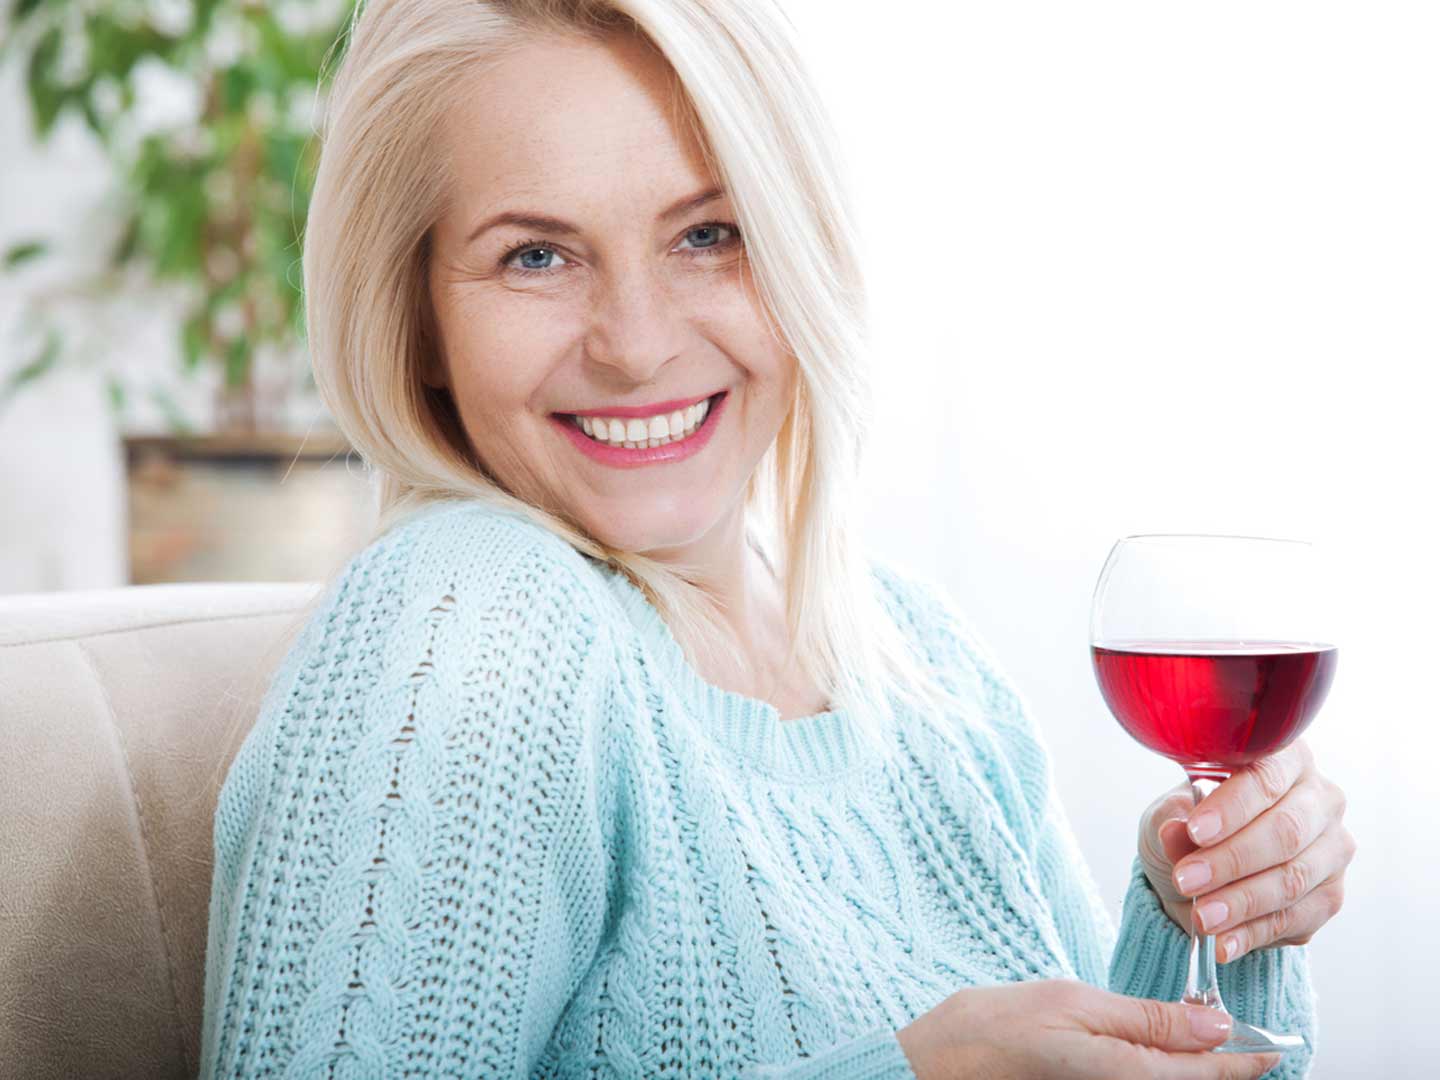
621, 457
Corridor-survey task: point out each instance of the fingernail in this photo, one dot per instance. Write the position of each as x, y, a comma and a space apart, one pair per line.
1207, 1023
1193, 876
1228, 950
1204, 826
1212, 914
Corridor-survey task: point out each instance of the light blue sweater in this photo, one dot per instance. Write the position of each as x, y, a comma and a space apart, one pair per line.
490, 823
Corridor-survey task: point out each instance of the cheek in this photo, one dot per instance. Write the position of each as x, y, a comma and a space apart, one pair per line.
499, 355
769, 364
733, 317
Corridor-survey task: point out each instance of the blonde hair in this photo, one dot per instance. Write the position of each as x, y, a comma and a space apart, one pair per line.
741, 86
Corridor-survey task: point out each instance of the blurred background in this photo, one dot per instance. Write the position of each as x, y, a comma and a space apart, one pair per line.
1135, 268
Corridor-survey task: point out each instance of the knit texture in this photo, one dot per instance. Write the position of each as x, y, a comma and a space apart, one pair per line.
489, 822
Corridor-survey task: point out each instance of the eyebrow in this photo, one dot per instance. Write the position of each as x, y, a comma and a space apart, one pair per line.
545, 223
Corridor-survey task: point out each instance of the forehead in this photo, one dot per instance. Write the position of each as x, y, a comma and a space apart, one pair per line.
571, 120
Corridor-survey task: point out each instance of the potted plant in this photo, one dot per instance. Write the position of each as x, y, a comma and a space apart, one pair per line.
208, 210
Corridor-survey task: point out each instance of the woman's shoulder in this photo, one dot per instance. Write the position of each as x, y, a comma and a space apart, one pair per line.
457, 590
481, 539
487, 572
1001, 728
473, 551
926, 611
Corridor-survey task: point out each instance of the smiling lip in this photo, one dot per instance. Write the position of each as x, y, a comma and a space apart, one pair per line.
627, 412
620, 457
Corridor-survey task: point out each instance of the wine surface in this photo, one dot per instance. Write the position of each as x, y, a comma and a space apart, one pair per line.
1216, 705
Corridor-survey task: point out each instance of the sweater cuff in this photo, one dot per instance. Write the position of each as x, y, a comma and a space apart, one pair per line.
877, 1055
1269, 987
1151, 954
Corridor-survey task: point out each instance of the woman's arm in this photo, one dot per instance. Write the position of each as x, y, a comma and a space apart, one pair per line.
1150, 954
411, 863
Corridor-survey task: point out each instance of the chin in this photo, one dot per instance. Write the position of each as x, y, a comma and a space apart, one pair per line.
650, 530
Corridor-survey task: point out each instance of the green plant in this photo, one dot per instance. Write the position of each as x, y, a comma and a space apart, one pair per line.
211, 208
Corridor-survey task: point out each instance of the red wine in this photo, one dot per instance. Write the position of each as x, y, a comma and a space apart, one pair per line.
1214, 706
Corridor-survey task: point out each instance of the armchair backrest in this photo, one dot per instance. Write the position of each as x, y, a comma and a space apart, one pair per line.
120, 710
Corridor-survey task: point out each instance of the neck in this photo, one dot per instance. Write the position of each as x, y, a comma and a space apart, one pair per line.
739, 580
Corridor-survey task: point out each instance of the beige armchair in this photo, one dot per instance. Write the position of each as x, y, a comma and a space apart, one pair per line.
117, 709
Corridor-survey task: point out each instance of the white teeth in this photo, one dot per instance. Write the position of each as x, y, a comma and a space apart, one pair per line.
638, 432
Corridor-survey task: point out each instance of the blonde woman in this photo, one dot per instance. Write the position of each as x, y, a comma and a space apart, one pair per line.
613, 754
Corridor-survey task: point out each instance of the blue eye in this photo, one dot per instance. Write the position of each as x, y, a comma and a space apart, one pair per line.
710, 228
712, 248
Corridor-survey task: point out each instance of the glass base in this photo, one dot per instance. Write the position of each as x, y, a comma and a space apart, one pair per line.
1202, 985
1249, 1039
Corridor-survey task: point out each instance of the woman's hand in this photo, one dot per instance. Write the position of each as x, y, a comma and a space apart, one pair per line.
1063, 1029
1261, 859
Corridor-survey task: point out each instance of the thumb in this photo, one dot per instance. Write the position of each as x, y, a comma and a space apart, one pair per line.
1175, 842
1164, 1025
1162, 842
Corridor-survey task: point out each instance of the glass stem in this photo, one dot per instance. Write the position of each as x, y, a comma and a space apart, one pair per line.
1202, 987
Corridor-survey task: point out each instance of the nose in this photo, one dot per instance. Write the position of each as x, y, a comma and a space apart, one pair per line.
636, 323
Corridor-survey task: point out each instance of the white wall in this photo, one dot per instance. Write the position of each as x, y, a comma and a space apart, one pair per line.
63, 518
62, 523
1150, 267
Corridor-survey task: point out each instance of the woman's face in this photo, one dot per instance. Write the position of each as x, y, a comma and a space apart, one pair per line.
634, 302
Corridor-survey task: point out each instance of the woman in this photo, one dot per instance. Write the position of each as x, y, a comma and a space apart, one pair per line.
574, 770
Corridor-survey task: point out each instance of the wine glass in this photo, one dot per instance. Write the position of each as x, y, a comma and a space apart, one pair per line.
1213, 651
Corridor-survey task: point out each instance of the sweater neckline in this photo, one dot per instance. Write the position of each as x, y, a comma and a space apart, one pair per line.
804, 747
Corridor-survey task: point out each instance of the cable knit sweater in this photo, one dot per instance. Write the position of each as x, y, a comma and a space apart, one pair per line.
489, 822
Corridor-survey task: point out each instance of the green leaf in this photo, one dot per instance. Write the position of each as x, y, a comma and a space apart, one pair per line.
125, 247
23, 252
23, 9
237, 362
28, 373
175, 226
194, 336
92, 116
204, 14
179, 425
116, 389
46, 96
115, 47
236, 84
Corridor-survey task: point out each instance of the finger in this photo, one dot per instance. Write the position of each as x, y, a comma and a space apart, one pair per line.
1200, 1066
1207, 1066
1168, 1040
1275, 837
1153, 1038
1292, 925
1248, 793
1165, 1025
1279, 887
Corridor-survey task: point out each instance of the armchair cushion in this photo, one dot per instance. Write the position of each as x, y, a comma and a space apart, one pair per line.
120, 710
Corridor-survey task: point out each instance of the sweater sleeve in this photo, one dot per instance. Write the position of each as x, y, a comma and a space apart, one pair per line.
412, 869
876, 1055
1270, 987
1148, 955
